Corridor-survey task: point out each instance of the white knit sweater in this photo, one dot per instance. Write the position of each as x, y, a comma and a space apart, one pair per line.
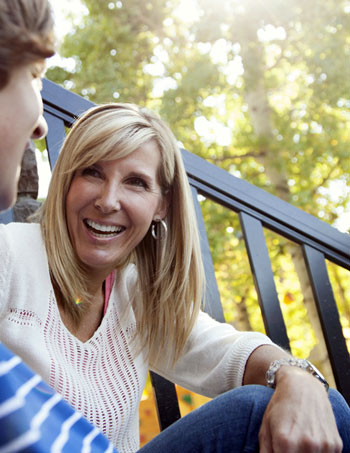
101, 378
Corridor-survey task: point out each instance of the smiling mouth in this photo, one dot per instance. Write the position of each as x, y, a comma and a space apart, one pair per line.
103, 231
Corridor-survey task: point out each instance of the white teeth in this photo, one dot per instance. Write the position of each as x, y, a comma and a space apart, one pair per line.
103, 228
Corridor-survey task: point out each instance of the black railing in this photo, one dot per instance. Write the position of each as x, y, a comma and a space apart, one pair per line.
257, 209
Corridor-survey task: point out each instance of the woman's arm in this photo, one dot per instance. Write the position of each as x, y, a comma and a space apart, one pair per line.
299, 417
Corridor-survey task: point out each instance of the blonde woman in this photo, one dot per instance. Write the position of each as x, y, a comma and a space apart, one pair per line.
110, 285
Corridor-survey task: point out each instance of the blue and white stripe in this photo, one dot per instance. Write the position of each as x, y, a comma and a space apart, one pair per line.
33, 417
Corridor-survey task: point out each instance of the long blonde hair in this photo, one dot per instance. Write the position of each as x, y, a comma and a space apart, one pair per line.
170, 272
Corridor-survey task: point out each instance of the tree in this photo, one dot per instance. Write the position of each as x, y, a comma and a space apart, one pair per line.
315, 48
260, 88
110, 47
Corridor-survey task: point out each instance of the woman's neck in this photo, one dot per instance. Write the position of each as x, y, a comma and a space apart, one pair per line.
91, 314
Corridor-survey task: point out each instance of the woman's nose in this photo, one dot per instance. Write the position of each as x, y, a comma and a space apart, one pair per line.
108, 200
41, 128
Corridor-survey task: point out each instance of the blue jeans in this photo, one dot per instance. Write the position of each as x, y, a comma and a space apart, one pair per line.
231, 423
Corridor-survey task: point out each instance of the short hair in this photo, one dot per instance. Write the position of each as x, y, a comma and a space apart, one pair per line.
170, 271
26, 34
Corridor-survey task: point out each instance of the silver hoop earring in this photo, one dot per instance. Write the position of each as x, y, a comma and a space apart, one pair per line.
155, 229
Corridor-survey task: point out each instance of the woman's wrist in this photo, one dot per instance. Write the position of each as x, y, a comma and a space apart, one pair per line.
292, 366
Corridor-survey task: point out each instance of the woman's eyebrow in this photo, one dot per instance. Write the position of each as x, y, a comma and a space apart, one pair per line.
141, 174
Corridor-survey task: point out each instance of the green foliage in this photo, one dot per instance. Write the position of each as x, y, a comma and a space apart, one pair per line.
187, 398
270, 80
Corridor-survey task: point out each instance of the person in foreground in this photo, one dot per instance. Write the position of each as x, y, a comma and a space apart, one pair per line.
32, 415
109, 284
26, 39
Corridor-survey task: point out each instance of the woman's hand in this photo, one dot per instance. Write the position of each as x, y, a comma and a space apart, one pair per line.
299, 417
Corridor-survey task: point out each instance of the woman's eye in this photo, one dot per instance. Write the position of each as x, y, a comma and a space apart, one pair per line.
138, 182
91, 171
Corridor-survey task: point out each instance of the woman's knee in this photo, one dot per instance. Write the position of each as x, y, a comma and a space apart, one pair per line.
251, 394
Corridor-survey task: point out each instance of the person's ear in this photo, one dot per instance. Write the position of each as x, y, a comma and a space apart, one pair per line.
163, 207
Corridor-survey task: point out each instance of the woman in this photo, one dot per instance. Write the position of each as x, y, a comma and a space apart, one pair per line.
121, 282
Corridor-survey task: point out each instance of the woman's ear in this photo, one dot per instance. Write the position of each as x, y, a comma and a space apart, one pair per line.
163, 207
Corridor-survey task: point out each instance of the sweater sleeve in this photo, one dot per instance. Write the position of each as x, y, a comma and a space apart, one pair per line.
5, 268
214, 358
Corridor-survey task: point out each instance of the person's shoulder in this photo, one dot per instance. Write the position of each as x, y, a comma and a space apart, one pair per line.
20, 235
19, 245
20, 226
20, 230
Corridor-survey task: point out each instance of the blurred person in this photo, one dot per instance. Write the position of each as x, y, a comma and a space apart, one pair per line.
26, 40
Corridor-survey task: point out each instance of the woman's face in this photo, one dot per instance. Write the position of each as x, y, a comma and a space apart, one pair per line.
110, 207
21, 119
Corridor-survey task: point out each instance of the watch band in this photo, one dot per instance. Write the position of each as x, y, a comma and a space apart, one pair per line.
300, 363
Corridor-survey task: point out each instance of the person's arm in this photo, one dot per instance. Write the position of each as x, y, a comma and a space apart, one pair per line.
259, 362
214, 359
299, 417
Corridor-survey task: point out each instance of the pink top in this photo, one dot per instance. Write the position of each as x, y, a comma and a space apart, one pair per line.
108, 289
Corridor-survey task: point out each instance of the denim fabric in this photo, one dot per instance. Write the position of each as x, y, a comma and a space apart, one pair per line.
342, 416
231, 423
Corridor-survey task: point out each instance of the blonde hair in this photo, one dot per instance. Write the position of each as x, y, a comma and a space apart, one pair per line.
170, 273
26, 35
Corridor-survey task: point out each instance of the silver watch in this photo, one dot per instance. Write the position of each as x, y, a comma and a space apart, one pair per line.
300, 363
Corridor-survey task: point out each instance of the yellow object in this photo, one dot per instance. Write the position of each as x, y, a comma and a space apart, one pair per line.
149, 428
288, 298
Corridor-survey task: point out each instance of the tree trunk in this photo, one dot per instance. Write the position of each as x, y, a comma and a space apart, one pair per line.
341, 291
28, 186
260, 112
241, 321
319, 354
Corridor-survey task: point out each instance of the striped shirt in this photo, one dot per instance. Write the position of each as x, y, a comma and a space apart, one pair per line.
33, 415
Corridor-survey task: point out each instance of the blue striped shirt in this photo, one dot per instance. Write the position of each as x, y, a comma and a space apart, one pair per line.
34, 418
